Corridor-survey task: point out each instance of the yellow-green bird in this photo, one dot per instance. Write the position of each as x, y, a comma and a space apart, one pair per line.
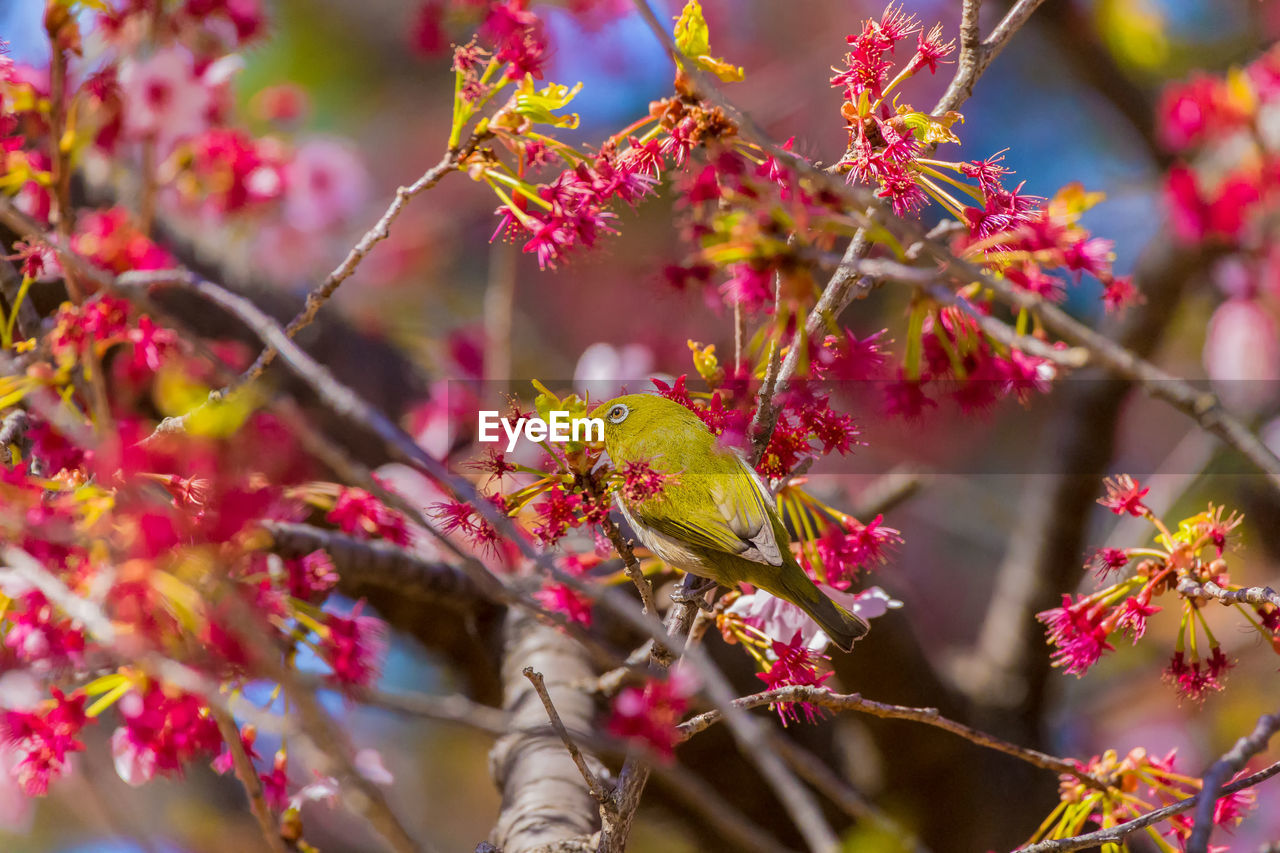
714, 517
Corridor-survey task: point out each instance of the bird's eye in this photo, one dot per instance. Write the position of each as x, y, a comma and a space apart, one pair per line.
618, 414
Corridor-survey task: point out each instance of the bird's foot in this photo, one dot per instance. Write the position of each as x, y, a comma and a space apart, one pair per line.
686, 594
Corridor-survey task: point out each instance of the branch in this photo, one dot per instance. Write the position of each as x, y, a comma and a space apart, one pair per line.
967, 75
382, 564
594, 787
1222, 770
629, 562
544, 800
1256, 595
456, 709
1202, 407
967, 64
846, 284
249, 778
635, 770
1115, 834
379, 232
929, 716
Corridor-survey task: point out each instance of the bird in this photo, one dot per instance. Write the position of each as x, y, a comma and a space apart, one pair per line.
714, 516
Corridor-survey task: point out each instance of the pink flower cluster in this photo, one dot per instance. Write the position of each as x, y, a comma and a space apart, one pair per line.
881, 144
1081, 629
1215, 200
575, 205
1138, 783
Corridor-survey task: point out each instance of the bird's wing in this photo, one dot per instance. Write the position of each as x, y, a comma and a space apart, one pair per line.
741, 522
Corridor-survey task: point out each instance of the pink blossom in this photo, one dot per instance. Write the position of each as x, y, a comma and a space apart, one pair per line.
779, 618
650, 714
326, 183
355, 647
1242, 353
1124, 495
564, 599
164, 98
795, 664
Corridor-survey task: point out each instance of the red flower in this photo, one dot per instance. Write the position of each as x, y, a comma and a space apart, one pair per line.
1198, 217
749, 285
162, 730
906, 398
1197, 110
1124, 495
558, 511
1133, 617
361, 514
641, 482
650, 714
1119, 293
355, 647
562, 598
931, 49
1197, 679
1104, 561
44, 739
311, 576
795, 665
1078, 631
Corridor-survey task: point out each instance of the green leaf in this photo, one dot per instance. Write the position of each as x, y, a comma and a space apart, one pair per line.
692, 36
539, 106
693, 39
929, 129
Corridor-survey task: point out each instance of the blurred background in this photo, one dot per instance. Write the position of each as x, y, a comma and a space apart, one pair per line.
1003, 516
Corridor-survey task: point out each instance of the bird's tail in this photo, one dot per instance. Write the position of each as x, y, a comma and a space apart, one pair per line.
844, 628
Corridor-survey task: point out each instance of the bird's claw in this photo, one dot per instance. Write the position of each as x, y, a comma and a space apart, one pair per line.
695, 595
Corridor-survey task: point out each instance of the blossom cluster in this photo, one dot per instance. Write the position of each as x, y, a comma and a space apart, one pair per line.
164, 533
157, 100
1183, 561
1131, 786
1221, 194
134, 552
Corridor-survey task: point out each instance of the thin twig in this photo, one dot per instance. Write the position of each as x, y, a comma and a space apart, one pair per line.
630, 564
1115, 834
455, 708
966, 76
1255, 595
929, 716
379, 232
250, 780
1232, 762
1201, 406
594, 786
